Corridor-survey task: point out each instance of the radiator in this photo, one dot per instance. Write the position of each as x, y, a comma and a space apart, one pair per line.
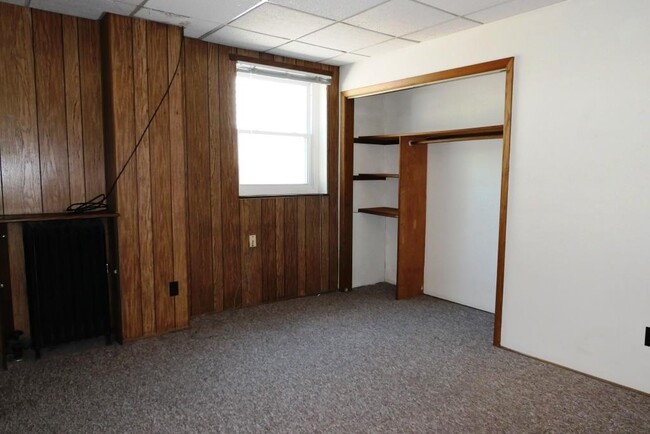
67, 282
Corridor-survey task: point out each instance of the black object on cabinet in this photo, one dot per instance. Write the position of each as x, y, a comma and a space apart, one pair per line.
67, 282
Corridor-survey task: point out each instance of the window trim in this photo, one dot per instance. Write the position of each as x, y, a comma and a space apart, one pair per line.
317, 144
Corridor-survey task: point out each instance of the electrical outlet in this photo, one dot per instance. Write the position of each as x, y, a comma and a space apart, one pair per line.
647, 336
252, 241
173, 289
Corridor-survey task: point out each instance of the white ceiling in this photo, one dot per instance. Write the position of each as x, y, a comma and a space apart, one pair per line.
336, 32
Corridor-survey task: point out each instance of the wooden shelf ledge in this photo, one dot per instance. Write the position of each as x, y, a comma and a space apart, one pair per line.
374, 176
19, 218
381, 211
478, 133
387, 139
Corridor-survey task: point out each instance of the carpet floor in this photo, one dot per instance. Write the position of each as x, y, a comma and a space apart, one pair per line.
340, 363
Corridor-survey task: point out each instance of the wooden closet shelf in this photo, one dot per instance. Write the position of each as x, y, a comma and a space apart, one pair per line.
388, 139
382, 211
479, 133
374, 176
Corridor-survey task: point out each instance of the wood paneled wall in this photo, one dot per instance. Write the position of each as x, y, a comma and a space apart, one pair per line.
139, 61
51, 124
181, 218
297, 237
51, 128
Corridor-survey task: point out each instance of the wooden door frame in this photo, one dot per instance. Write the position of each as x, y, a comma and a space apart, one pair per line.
347, 157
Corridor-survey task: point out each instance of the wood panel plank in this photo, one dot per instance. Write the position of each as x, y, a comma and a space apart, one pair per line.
247, 53
118, 37
412, 219
178, 175
279, 248
18, 283
251, 257
302, 245
199, 191
157, 46
73, 109
268, 246
90, 61
291, 247
6, 305
346, 179
112, 226
214, 112
313, 241
143, 162
333, 179
325, 244
50, 105
230, 181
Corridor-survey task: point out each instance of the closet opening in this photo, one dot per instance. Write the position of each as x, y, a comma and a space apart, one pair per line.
424, 179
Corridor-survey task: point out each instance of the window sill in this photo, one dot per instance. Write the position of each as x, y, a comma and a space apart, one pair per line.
282, 196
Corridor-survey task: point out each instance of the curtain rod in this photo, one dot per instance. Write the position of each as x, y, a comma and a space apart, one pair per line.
284, 73
315, 68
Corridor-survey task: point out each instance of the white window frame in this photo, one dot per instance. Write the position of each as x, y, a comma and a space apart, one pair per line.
316, 142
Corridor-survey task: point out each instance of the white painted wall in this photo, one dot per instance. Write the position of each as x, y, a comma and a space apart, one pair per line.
577, 275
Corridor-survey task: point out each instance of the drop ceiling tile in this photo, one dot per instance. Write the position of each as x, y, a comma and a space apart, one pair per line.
384, 47
399, 17
239, 38
509, 9
281, 22
197, 28
463, 7
334, 9
344, 59
443, 29
193, 28
208, 10
345, 37
305, 51
91, 9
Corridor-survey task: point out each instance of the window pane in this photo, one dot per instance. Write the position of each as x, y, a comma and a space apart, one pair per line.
270, 104
272, 159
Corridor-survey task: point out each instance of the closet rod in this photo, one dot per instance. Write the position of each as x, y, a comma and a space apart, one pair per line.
480, 133
459, 139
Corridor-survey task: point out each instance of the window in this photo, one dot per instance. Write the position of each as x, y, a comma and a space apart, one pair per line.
281, 131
